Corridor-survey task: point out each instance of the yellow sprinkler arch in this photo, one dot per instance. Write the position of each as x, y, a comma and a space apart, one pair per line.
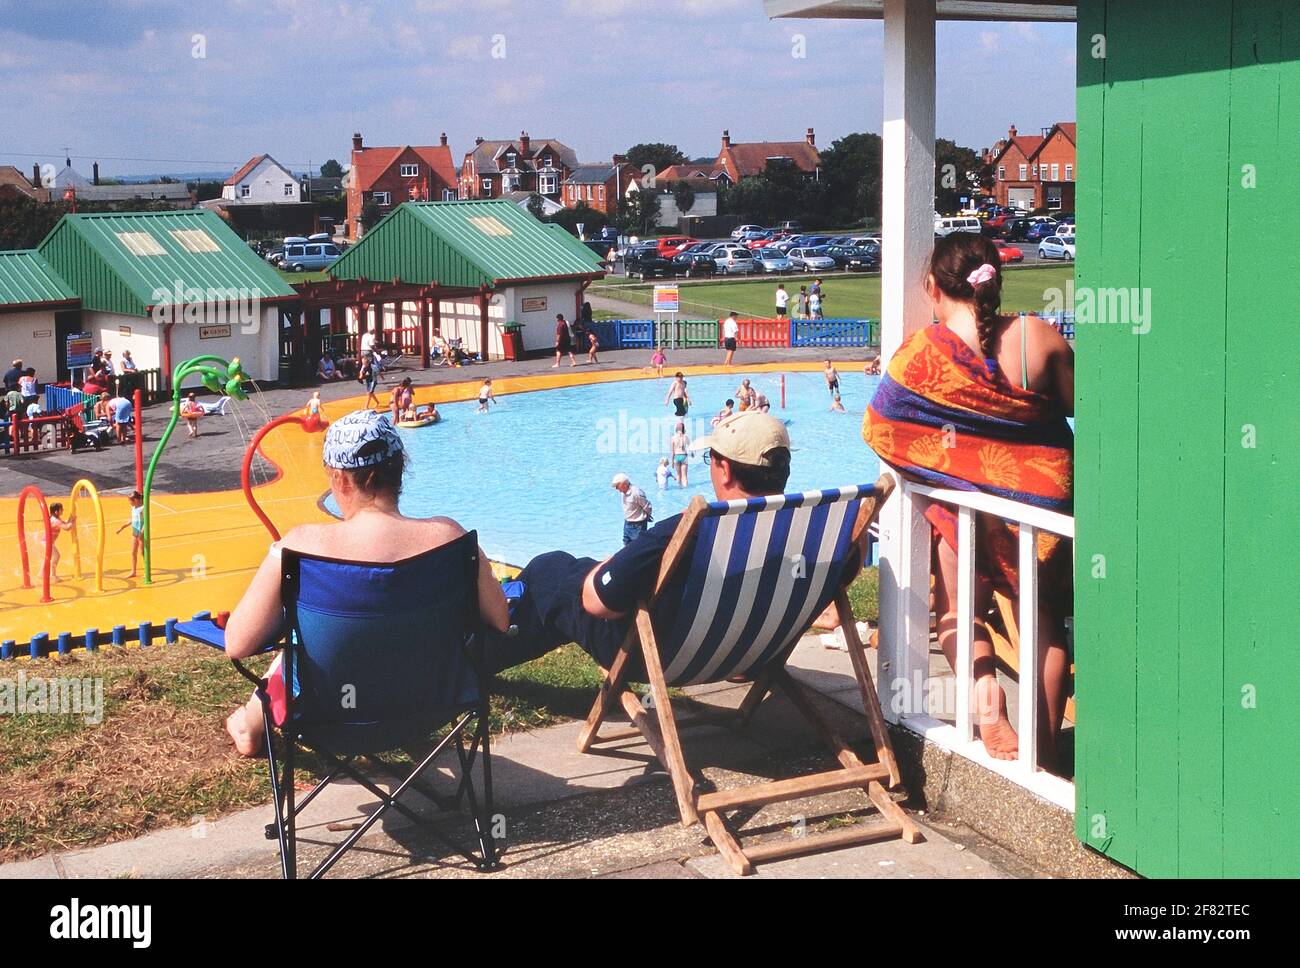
89, 488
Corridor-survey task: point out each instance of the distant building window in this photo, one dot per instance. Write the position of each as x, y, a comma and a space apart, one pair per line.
245, 191
1069, 172
510, 159
1002, 172
410, 171
588, 193
288, 189
448, 195
546, 161
600, 192
383, 198
1056, 173
546, 184
1024, 172
487, 186
1034, 170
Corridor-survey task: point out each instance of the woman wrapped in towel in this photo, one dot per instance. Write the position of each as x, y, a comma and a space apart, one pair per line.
978, 401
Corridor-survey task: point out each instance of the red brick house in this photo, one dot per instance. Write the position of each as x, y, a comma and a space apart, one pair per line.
394, 175
1035, 171
599, 186
14, 182
739, 160
495, 168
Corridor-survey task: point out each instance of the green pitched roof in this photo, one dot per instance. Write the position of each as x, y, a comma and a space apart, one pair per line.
127, 262
465, 245
28, 280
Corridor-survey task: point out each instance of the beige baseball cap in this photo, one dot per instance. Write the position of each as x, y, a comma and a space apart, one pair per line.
746, 437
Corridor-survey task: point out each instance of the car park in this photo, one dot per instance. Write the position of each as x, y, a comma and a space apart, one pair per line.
810, 259
671, 245
957, 223
794, 225
305, 255
1065, 230
852, 258
1014, 229
771, 260
739, 231
1039, 231
648, 264
1056, 247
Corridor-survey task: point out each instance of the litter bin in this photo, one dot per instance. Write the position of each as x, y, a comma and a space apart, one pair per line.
512, 341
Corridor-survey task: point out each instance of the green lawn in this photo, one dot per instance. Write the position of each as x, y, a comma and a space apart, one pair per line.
844, 295
292, 277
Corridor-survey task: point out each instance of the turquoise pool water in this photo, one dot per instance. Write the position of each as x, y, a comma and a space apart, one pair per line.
534, 474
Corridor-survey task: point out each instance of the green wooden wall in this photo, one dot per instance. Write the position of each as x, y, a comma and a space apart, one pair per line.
1188, 649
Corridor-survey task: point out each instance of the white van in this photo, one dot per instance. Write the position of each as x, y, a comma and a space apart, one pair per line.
957, 223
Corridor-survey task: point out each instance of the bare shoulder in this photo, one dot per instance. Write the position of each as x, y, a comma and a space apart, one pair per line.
1043, 334
309, 538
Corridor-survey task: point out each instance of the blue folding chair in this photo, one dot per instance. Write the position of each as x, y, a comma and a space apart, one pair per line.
740, 583
380, 657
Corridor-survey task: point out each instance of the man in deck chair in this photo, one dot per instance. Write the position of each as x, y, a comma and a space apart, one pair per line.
581, 600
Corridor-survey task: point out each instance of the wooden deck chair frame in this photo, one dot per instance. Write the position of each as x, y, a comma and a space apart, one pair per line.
661, 732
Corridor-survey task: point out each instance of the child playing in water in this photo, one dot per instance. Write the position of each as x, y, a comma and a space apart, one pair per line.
725, 412
658, 360
137, 527
677, 394
663, 473
872, 367
192, 411
681, 446
836, 405
57, 527
745, 394
369, 375
832, 378
485, 396
315, 411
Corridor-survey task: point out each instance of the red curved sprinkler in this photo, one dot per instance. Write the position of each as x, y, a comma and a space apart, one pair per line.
311, 425
35, 492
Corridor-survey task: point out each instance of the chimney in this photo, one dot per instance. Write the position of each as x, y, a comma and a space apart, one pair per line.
726, 138
812, 138
357, 143
620, 159
442, 139
478, 140
36, 175
1011, 133
95, 176
524, 142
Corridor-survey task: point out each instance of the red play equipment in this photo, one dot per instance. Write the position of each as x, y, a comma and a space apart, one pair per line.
35, 492
312, 425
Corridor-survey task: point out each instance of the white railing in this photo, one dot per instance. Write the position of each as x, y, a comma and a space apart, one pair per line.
905, 655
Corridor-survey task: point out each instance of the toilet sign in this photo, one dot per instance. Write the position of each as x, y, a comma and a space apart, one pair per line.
667, 299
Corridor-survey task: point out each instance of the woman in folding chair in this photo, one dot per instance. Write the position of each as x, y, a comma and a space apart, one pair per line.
721, 592
376, 658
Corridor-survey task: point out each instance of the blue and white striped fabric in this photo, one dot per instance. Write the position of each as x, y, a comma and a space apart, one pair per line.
761, 570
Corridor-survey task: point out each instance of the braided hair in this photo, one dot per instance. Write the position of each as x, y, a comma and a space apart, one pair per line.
954, 260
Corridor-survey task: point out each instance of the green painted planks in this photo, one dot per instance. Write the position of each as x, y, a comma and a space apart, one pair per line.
1110, 145
1261, 559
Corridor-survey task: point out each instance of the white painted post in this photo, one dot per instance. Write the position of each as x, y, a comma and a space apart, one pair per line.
965, 620
907, 237
1027, 720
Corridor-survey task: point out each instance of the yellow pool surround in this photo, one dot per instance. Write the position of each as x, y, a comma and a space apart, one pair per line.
207, 546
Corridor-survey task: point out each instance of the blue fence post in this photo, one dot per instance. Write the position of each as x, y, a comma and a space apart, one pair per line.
119, 635
169, 631
40, 645
92, 640
146, 634
7, 649
65, 643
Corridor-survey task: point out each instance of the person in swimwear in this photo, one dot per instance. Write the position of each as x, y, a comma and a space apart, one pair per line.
137, 528
663, 473
401, 399
315, 411
681, 448
725, 412
836, 405
677, 394
192, 411
485, 396
832, 378
658, 360
744, 395
57, 527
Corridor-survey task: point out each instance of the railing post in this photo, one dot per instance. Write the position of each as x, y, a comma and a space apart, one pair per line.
965, 621
1027, 720
904, 606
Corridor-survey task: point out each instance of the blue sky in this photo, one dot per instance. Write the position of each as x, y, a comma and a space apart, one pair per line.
117, 80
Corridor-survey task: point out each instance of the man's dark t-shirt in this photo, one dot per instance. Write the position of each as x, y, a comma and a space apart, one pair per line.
12, 376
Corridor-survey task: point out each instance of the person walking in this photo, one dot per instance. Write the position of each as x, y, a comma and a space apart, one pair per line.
677, 394
730, 333
637, 512
782, 301
563, 340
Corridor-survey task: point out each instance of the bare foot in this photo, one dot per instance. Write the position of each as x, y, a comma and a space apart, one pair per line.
1000, 740
829, 618
247, 741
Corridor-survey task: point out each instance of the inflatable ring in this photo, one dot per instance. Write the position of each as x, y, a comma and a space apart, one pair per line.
422, 422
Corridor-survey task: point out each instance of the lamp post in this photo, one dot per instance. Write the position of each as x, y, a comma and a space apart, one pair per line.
217, 375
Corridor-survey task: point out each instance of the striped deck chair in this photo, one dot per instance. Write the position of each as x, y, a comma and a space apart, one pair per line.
749, 577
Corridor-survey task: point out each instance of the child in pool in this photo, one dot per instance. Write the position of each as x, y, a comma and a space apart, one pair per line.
725, 412
485, 396
57, 527
137, 527
836, 405
663, 473
315, 411
681, 446
426, 411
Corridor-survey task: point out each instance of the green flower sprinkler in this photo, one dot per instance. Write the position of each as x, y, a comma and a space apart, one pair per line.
216, 375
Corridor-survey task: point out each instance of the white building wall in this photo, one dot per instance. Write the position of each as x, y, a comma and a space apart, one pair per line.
266, 185
256, 343
29, 337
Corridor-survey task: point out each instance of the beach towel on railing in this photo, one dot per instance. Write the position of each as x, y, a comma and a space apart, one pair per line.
941, 416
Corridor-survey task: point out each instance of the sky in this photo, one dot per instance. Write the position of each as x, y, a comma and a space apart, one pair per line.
148, 87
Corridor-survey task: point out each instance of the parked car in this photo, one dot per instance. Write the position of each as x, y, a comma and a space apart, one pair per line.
957, 223
793, 225
737, 261
648, 264
810, 259
851, 257
275, 256
1008, 253
694, 264
671, 245
1014, 229
1066, 219
1039, 231
768, 259
1055, 247
1065, 230
308, 256
739, 231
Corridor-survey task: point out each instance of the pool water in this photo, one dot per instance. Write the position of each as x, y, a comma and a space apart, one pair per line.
533, 475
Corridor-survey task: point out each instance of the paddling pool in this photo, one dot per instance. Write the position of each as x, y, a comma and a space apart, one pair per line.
533, 475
